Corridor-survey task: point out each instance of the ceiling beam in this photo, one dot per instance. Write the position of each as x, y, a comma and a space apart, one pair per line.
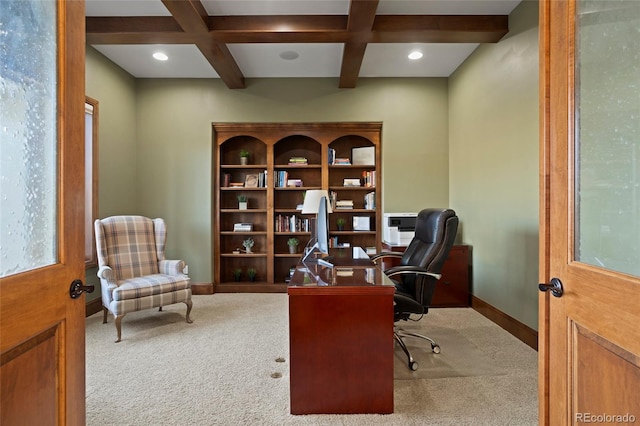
193, 19
309, 29
211, 34
362, 14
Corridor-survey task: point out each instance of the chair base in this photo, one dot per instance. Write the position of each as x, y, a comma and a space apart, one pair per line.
118, 318
399, 333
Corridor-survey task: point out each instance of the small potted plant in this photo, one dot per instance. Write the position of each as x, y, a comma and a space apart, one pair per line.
251, 273
340, 222
293, 245
244, 157
242, 202
248, 244
237, 274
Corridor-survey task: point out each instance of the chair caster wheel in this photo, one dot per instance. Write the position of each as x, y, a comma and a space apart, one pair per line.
413, 366
435, 349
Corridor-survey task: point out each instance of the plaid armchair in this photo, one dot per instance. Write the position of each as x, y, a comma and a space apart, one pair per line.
133, 272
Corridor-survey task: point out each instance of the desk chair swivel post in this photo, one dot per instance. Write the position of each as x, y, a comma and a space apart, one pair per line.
419, 270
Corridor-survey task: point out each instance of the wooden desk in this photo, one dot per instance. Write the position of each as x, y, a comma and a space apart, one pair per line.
341, 337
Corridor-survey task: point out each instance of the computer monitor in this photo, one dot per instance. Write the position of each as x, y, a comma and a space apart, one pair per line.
321, 244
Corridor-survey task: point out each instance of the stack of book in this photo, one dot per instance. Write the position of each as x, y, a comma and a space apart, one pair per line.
242, 227
351, 182
342, 162
297, 161
344, 204
294, 182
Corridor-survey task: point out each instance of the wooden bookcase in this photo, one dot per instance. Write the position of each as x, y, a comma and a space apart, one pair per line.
271, 146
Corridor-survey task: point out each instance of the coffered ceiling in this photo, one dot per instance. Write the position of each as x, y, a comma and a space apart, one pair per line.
346, 39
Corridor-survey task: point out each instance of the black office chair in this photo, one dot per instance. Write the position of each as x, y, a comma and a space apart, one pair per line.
419, 270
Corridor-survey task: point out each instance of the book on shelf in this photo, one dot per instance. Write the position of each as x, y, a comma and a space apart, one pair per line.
262, 179
369, 178
331, 156
350, 182
236, 184
298, 161
294, 183
226, 180
293, 223
344, 204
242, 227
370, 201
342, 162
280, 178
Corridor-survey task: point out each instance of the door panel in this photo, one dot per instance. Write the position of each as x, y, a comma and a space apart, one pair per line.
590, 336
598, 362
42, 346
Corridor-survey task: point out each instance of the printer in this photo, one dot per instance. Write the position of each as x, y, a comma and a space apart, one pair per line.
398, 228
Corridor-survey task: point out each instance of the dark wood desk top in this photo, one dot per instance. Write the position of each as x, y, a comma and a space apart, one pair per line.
353, 271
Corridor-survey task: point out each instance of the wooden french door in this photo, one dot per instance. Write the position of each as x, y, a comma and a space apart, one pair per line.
589, 349
42, 330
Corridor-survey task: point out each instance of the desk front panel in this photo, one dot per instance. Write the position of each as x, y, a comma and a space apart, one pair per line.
341, 350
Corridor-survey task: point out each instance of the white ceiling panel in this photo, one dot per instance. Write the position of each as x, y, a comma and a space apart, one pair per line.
264, 60
125, 8
276, 7
185, 61
390, 60
446, 7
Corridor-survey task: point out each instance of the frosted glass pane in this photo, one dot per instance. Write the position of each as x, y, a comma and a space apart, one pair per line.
28, 137
608, 135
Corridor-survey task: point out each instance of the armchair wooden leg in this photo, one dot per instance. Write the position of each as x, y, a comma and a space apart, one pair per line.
105, 311
189, 304
119, 326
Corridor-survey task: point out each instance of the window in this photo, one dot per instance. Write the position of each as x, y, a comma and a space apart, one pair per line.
90, 180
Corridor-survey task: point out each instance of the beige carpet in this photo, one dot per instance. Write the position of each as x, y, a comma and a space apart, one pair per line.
223, 369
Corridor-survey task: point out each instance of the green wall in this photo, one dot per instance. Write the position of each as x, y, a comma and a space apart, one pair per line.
469, 142
175, 143
493, 146
114, 89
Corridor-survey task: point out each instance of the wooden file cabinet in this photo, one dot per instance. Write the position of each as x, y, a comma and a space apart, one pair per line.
452, 290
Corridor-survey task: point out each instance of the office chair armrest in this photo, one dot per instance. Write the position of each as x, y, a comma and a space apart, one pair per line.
413, 270
382, 255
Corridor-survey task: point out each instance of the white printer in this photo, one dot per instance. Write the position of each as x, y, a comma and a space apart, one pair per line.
398, 228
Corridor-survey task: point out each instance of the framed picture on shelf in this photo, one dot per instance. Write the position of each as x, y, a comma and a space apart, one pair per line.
363, 156
251, 181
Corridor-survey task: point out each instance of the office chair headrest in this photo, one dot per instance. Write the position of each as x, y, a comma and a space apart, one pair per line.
431, 223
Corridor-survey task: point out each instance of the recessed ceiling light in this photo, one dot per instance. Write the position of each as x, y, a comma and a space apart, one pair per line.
160, 56
289, 55
415, 55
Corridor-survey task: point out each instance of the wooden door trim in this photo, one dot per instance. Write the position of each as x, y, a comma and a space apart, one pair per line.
544, 211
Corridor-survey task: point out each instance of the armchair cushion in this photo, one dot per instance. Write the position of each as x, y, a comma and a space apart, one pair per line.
149, 285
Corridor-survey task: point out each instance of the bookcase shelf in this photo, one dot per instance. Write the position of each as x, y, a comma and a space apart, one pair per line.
291, 153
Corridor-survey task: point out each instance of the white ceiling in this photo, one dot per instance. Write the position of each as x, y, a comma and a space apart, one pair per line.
315, 59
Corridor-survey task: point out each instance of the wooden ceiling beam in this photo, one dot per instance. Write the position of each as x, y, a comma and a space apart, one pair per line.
362, 14
211, 34
439, 28
193, 18
309, 29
